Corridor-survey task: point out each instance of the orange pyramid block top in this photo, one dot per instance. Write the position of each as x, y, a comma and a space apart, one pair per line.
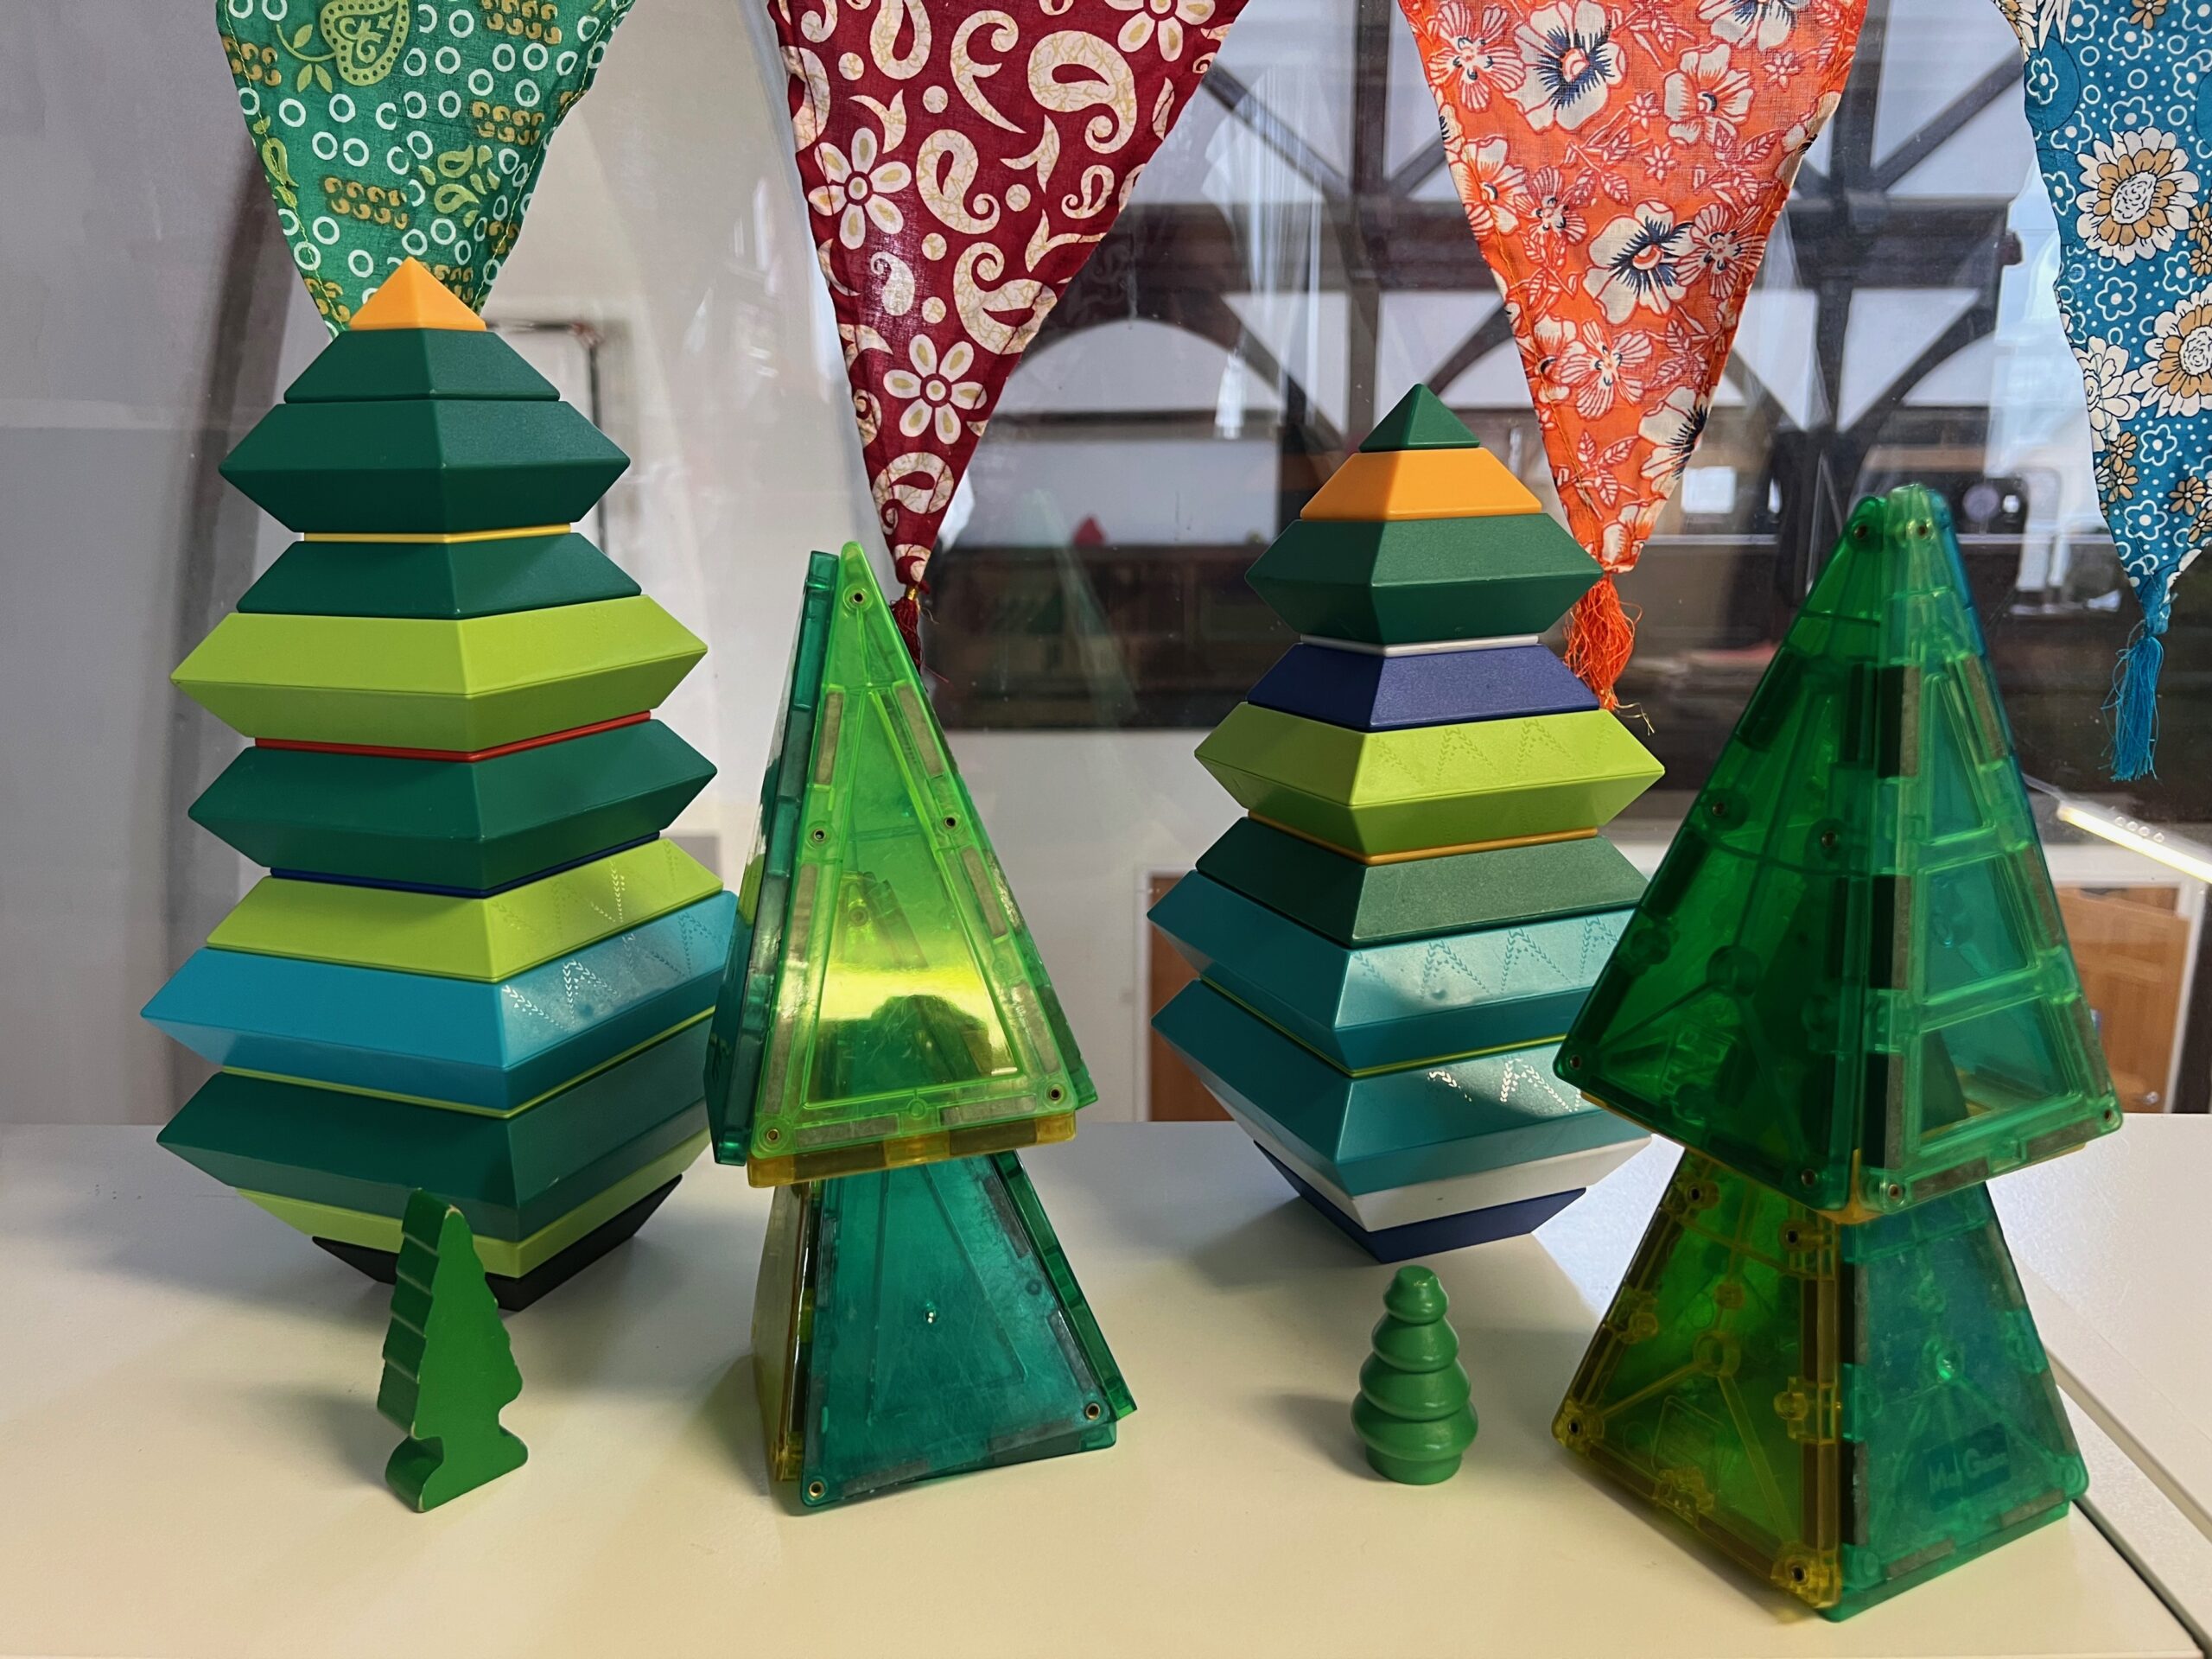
1375, 485
411, 298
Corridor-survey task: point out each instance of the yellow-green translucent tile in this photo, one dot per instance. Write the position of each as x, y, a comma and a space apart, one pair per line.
465, 938
437, 683
509, 1258
1429, 786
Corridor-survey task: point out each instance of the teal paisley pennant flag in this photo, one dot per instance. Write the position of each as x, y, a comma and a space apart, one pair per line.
397, 128
2120, 96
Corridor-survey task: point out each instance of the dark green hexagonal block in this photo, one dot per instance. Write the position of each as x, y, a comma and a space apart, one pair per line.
510, 1176
474, 824
368, 365
1413, 580
1358, 904
436, 579
424, 467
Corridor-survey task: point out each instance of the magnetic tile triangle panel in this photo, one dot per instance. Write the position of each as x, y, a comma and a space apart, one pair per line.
1420, 421
470, 1044
1429, 786
1390, 1128
1390, 1005
436, 579
465, 938
1356, 904
510, 1176
430, 466
476, 825
945, 1334
1400, 484
1848, 979
1415, 580
910, 1016
1846, 1411
407, 683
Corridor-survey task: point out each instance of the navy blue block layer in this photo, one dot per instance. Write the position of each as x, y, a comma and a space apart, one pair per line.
1444, 1233
1369, 693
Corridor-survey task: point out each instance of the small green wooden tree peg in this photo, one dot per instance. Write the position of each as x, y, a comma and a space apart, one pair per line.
448, 1368
1412, 1410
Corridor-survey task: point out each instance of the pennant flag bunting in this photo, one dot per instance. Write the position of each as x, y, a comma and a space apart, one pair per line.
1621, 167
959, 166
2123, 133
391, 130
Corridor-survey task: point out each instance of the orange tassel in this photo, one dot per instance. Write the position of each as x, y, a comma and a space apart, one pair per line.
1600, 637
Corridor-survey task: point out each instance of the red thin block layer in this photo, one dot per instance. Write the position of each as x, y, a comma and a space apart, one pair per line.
455, 754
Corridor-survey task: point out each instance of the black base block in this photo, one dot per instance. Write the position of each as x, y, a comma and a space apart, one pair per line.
515, 1294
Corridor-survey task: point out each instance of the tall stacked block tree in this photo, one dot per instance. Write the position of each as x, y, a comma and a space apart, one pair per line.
1391, 945
475, 966
1848, 993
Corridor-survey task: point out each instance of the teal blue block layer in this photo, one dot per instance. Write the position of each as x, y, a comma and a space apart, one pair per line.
487, 1047
1391, 1005
1421, 1123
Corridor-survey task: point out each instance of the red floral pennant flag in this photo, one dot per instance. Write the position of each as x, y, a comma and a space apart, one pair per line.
1621, 167
960, 164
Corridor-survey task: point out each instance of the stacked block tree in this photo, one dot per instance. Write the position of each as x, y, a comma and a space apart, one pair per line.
475, 966
886, 1042
1391, 945
1847, 991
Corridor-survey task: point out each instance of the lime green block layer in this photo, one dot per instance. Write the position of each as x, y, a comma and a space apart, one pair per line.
509, 1258
1429, 786
432, 683
490, 939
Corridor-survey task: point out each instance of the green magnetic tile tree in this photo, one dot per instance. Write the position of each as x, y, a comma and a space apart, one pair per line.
1848, 979
1845, 1409
448, 1368
942, 1330
895, 1009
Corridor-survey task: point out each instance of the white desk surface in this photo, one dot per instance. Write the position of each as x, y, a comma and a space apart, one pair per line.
190, 1455
2116, 1259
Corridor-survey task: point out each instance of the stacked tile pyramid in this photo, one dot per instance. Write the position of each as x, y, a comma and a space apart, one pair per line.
474, 967
1391, 946
1847, 991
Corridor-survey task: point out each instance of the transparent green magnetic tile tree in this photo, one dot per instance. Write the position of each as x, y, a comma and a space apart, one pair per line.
890, 1009
1848, 979
1847, 1409
919, 1322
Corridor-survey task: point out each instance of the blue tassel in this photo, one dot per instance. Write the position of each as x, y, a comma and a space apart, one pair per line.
2135, 706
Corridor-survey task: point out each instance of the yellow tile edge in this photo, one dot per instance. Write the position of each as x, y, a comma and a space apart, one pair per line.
447, 540
509, 1258
491, 939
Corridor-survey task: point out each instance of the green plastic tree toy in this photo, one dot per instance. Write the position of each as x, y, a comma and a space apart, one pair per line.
1847, 991
448, 1368
1412, 1412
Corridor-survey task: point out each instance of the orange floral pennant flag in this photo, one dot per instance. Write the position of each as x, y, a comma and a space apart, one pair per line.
1621, 167
959, 165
